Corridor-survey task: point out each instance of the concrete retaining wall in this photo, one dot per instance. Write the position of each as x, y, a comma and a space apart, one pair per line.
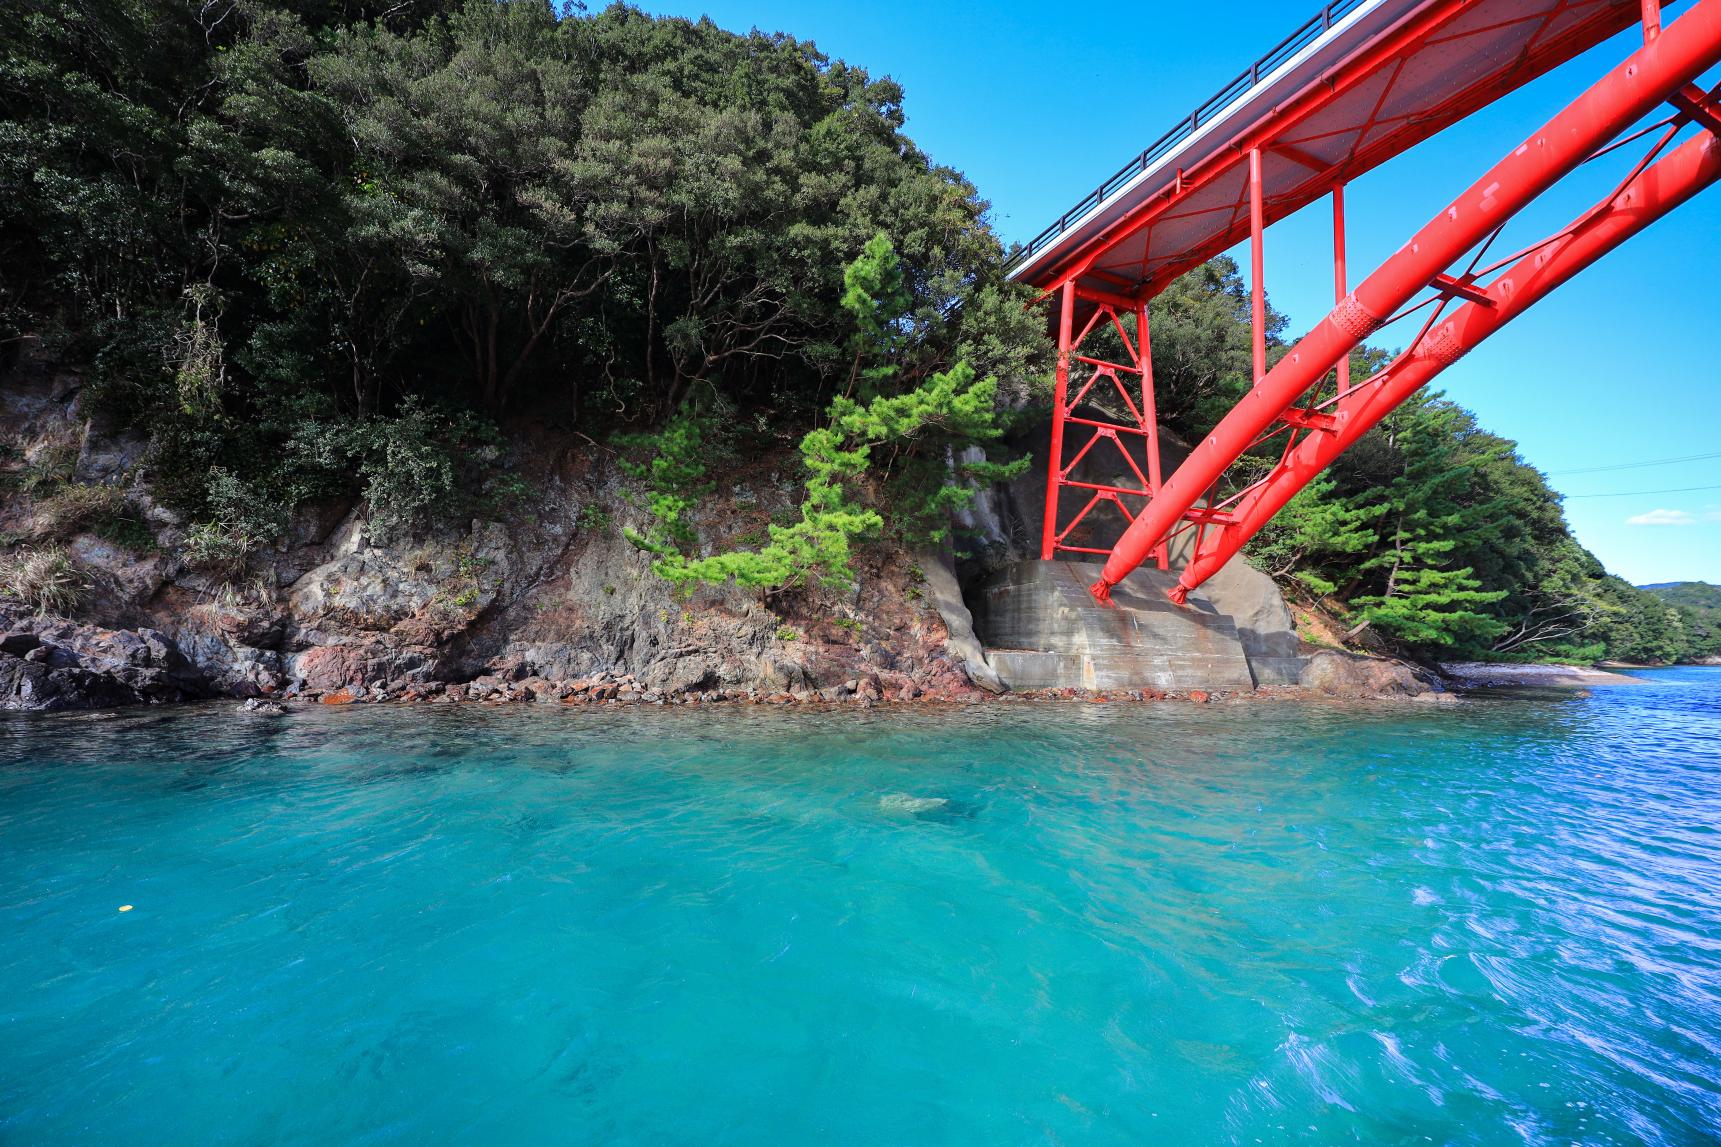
1043, 629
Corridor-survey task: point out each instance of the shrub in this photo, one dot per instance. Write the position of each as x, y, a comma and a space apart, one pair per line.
125, 527
242, 519
219, 548
595, 519
48, 467
240, 506
675, 473
47, 580
76, 505
426, 464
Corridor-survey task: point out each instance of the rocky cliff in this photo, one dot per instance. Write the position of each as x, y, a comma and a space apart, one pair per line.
551, 595
550, 601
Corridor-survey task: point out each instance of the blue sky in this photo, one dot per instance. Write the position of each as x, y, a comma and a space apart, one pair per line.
1619, 367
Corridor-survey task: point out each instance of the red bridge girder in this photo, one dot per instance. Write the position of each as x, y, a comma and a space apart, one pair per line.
1653, 193
1093, 286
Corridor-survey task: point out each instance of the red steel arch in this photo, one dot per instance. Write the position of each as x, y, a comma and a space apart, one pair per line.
1356, 85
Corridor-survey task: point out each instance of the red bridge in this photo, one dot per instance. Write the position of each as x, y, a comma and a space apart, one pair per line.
1356, 85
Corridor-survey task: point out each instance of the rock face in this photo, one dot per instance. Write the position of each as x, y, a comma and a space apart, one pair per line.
53, 664
945, 593
552, 593
1264, 623
1482, 675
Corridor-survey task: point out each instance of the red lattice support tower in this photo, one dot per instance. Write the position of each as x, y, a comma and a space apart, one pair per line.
1142, 424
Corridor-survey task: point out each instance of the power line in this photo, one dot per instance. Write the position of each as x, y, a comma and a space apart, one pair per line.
1637, 465
1637, 493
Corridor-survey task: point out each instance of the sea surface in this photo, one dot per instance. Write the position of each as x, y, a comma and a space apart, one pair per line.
1498, 922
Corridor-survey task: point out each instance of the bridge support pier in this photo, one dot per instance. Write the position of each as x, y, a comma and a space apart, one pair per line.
1136, 421
1043, 630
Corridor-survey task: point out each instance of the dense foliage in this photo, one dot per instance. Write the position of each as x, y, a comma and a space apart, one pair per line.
927, 424
1698, 605
314, 247
1434, 533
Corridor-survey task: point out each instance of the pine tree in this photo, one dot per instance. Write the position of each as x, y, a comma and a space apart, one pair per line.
1424, 599
951, 406
1313, 535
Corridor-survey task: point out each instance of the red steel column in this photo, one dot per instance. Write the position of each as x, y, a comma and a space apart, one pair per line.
1340, 287
1683, 51
1651, 196
1149, 411
1060, 389
1257, 265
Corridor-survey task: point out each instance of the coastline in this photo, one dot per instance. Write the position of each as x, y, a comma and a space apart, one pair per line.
1489, 675
827, 700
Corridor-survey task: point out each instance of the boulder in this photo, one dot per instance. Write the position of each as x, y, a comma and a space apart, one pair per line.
362, 665
1342, 674
1251, 599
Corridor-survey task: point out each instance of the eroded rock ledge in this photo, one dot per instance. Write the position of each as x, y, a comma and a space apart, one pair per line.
52, 664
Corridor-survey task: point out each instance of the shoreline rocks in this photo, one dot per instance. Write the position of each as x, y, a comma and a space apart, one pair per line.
1488, 675
52, 665
1338, 673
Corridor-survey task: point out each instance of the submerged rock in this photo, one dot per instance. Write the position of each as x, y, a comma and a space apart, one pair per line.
903, 804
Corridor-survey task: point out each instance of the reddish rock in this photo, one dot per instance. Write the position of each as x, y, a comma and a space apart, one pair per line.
338, 697
328, 667
537, 689
1199, 696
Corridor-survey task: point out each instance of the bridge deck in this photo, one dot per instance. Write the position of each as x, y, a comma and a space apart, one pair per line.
1359, 83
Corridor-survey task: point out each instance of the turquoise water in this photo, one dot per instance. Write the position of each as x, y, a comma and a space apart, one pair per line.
1082, 924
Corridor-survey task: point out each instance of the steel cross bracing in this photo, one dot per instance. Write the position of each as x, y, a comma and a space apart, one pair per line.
1290, 399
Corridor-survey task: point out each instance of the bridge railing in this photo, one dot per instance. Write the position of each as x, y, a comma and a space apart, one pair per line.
1315, 27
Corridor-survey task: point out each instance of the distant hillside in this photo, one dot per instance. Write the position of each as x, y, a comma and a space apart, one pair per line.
1695, 593
1699, 606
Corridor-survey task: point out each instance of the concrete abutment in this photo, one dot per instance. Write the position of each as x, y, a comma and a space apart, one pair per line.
1042, 629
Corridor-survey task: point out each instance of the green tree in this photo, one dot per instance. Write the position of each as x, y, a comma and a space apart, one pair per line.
1314, 537
951, 407
1423, 598
244, 219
